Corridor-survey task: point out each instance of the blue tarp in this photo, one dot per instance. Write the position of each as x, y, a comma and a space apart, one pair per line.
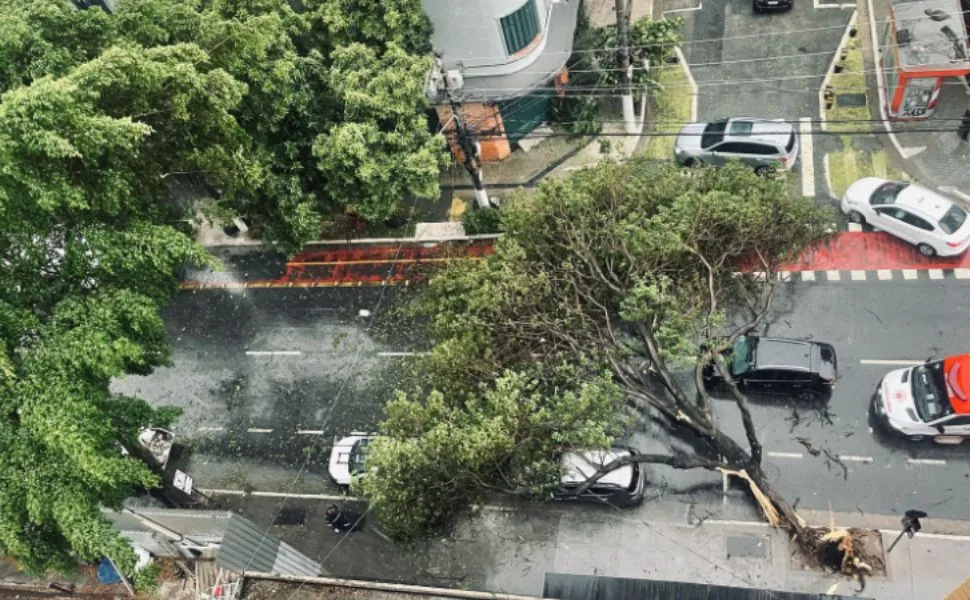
107, 573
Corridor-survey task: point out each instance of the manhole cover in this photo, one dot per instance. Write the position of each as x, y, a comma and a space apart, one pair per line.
290, 516
747, 546
851, 99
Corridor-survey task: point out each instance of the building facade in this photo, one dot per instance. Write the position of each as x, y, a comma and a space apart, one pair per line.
512, 56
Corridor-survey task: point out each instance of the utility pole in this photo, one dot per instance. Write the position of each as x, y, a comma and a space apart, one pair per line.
452, 83
626, 66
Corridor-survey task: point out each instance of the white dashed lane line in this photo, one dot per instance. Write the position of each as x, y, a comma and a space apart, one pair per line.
310, 432
926, 461
859, 459
273, 353
891, 362
259, 430
785, 454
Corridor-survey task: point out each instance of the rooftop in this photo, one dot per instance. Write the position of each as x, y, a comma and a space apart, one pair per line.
931, 34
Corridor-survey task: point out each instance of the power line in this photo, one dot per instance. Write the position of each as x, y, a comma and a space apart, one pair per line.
663, 45
541, 135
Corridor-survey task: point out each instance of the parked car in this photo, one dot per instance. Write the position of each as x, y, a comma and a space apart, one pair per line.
926, 401
760, 6
347, 457
622, 487
920, 216
763, 144
804, 369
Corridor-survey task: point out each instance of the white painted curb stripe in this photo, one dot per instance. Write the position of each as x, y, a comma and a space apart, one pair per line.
909, 274
854, 228
961, 273
833, 275
858, 275
808, 275
936, 273
884, 274
808, 157
926, 461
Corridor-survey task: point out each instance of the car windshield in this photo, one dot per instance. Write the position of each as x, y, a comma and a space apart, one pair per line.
358, 453
742, 355
929, 392
887, 192
953, 219
713, 133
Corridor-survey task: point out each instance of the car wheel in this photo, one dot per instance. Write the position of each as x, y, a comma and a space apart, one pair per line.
764, 170
926, 250
856, 217
916, 438
691, 162
807, 396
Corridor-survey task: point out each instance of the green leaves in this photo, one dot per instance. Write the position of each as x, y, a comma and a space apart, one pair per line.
437, 454
602, 278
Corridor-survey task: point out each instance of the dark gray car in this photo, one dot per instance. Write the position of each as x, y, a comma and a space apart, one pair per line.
763, 144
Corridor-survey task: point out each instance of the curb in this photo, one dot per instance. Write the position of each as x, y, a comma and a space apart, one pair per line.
831, 70
364, 241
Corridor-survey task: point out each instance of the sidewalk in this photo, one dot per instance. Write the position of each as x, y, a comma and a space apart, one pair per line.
510, 550
937, 158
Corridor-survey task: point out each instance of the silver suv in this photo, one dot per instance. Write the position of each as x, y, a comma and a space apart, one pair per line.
761, 143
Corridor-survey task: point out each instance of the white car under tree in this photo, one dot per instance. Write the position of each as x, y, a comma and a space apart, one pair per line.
928, 220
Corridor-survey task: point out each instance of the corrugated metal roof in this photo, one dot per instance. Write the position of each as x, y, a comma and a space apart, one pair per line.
587, 587
199, 525
246, 547
961, 593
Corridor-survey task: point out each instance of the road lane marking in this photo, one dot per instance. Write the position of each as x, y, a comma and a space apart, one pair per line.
936, 273
259, 430
400, 354
679, 10
833, 275
785, 454
926, 461
808, 158
309, 432
855, 228
212, 428
910, 274
900, 362
281, 495
961, 273
273, 353
853, 458
858, 275
884, 274
808, 275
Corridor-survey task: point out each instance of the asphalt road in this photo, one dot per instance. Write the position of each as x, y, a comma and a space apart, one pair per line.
267, 378
889, 320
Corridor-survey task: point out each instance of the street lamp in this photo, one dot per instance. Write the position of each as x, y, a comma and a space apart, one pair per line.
911, 525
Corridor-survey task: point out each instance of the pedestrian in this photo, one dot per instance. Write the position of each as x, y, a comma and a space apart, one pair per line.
343, 520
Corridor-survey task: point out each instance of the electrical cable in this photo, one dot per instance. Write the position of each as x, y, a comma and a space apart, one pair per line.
337, 396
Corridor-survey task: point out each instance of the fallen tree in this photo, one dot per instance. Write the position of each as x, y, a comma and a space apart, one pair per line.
629, 270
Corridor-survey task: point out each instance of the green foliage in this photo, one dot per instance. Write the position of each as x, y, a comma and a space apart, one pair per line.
437, 454
147, 580
482, 220
536, 347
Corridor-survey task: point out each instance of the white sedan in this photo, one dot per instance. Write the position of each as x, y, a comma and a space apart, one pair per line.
922, 217
347, 457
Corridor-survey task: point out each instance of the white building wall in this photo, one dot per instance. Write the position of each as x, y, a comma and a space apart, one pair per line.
470, 31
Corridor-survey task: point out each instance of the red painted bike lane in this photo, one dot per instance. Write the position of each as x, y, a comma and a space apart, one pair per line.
868, 251
394, 264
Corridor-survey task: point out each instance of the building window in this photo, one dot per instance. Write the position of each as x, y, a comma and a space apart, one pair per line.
521, 27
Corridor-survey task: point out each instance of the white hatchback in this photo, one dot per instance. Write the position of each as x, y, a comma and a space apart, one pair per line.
922, 217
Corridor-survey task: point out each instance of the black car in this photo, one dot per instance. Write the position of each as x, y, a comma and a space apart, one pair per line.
806, 370
760, 6
622, 487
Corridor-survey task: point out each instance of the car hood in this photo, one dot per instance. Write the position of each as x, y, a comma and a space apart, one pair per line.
897, 398
862, 190
339, 467
689, 137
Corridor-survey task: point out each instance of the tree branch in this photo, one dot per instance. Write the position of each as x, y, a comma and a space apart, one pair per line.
677, 461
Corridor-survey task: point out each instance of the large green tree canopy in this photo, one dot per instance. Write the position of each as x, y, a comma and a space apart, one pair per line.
604, 286
291, 115
331, 116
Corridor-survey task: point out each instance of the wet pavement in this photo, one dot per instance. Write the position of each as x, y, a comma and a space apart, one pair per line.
268, 377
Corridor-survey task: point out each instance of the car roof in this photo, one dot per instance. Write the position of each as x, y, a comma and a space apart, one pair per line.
580, 465
923, 200
759, 130
787, 354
